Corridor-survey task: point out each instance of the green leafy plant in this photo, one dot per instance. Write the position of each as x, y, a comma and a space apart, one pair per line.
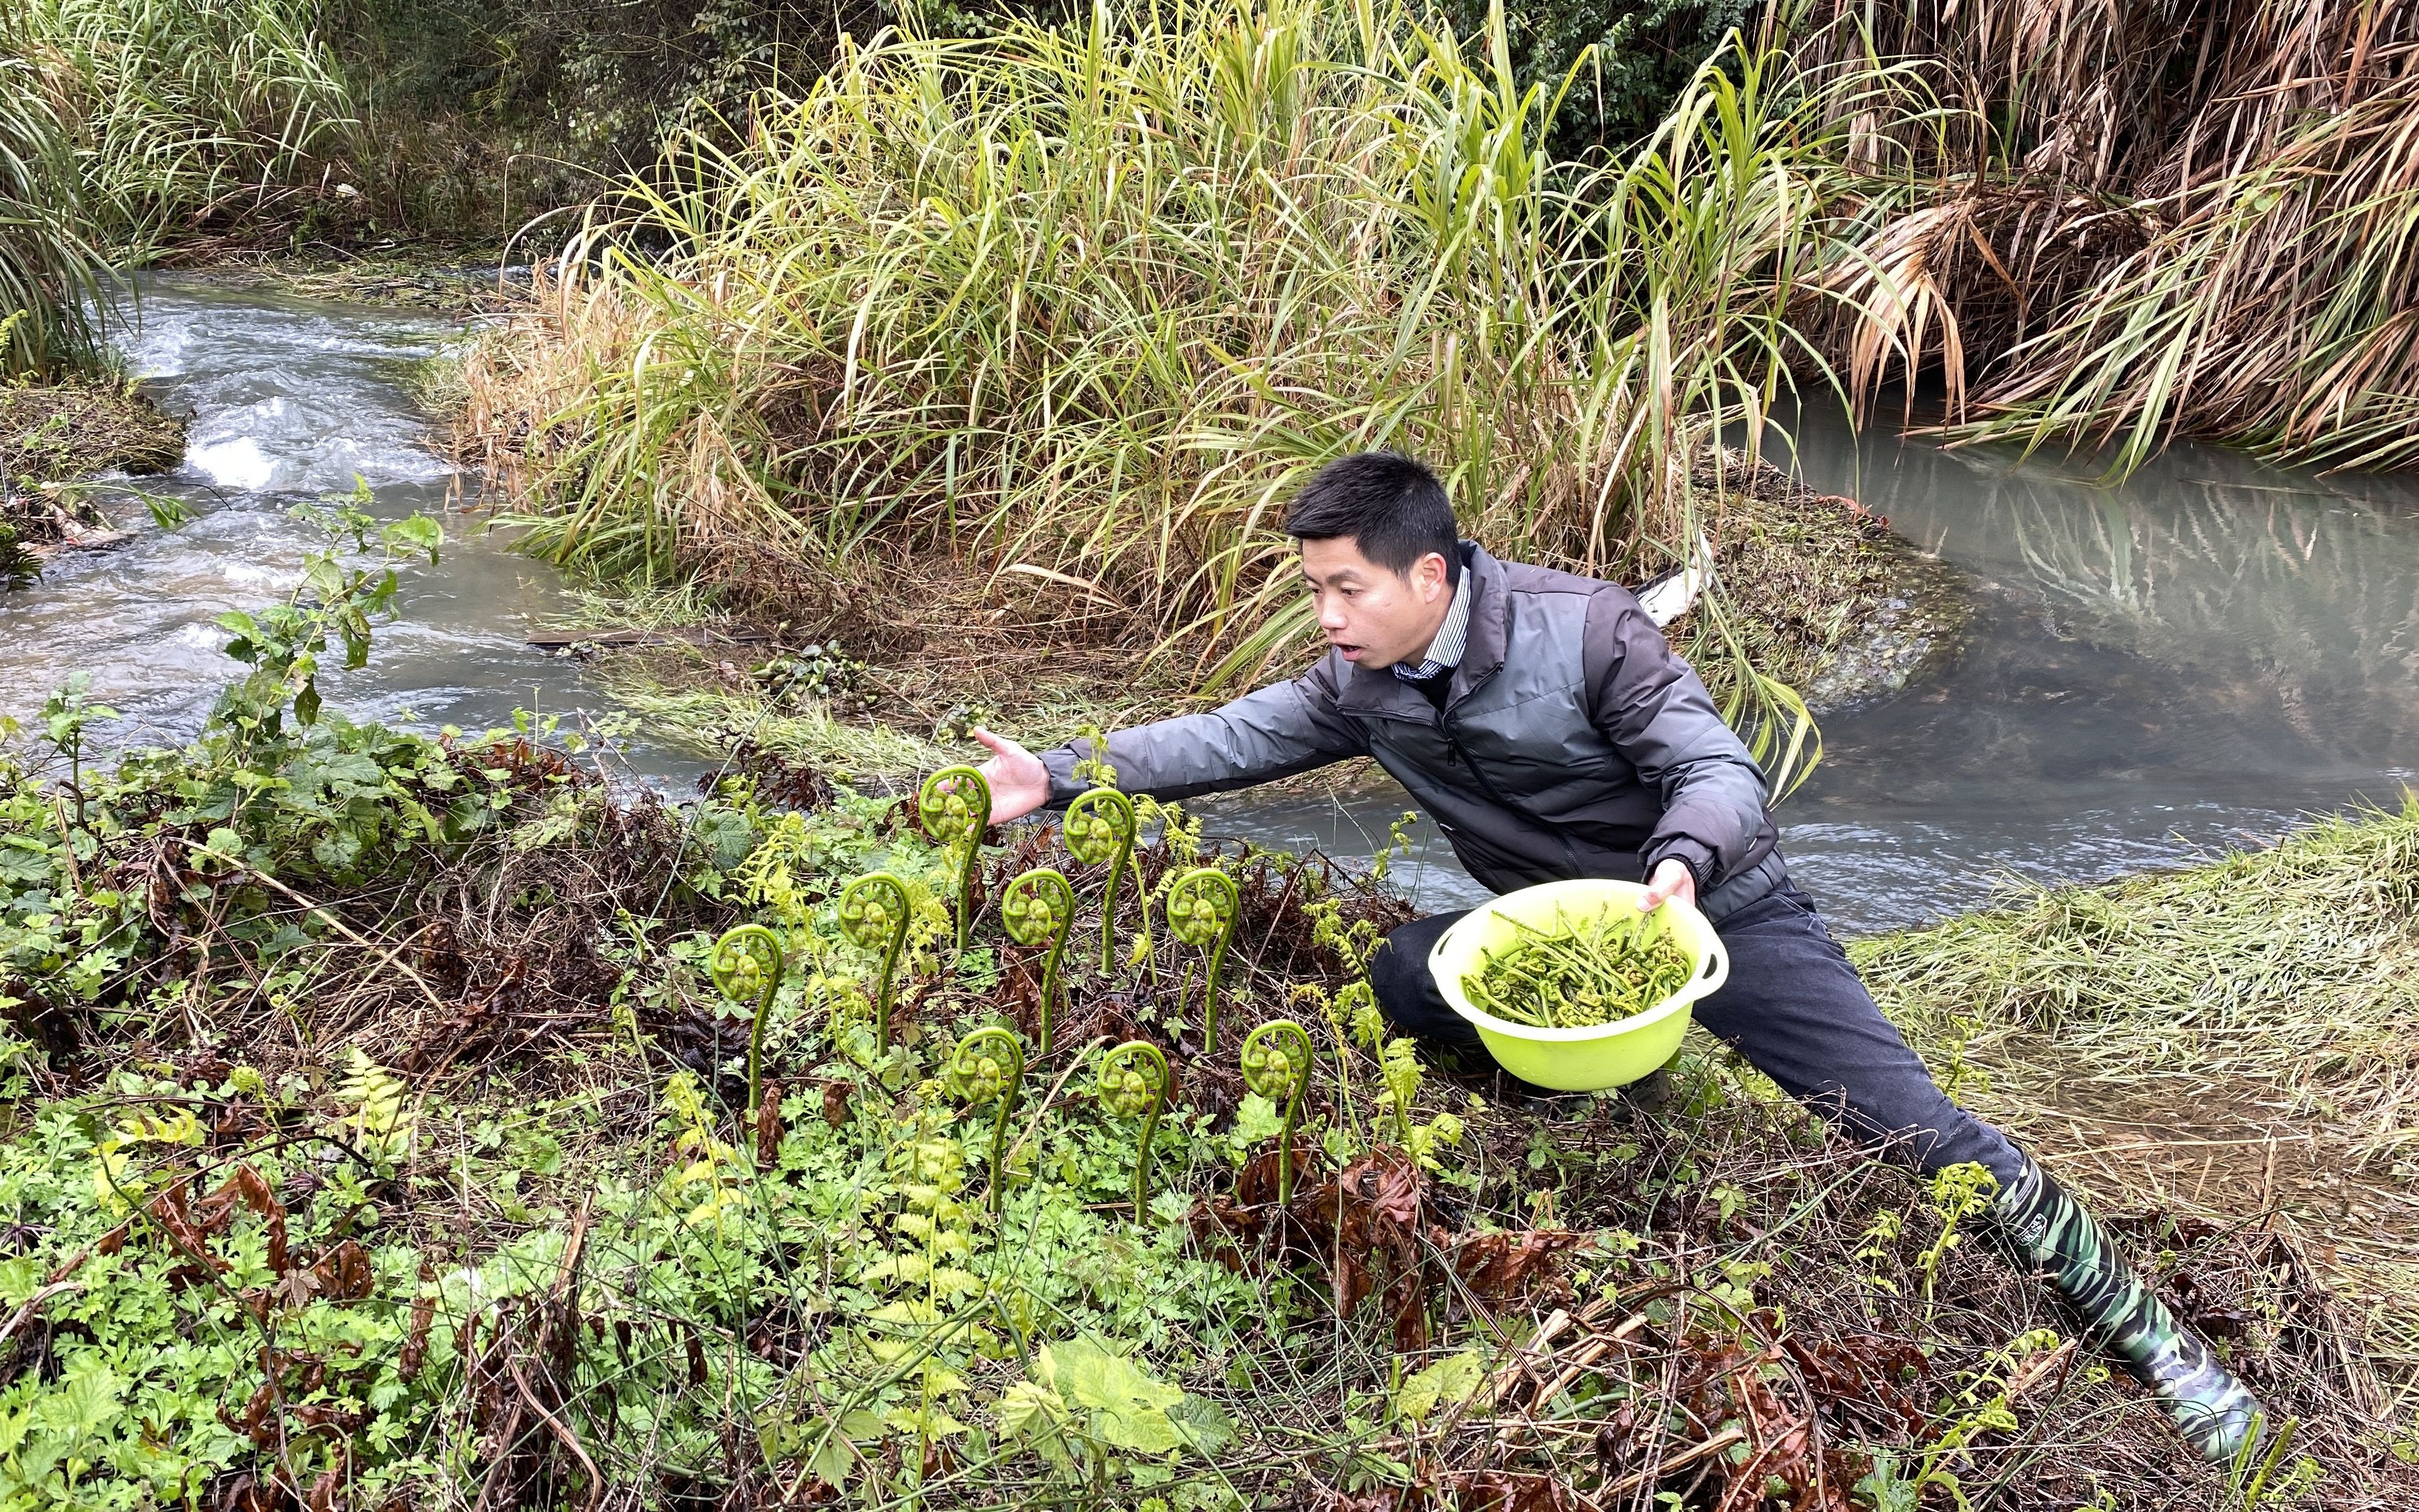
335, 598
1038, 906
1089, 1406
955, 807
874, 913
747, 966
1135, 1083
987, 1066
1958, 1193
1202, 907
1100, 829
1276, 1064
65, 714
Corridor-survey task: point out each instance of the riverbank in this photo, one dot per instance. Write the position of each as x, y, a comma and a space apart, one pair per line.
2236, 1040
1812, 590
53, 435
382, 1129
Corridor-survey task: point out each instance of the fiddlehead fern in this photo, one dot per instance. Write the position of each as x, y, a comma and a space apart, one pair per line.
1100, 828
1202, 907
873, 914
989, 1065
955, 807
1276, 1064
1040, 905
1134, 1085
745, 966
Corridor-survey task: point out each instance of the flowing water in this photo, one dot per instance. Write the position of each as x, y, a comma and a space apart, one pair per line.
292, 401
2200, 657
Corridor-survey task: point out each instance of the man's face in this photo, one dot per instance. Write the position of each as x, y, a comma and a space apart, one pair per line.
1375, 616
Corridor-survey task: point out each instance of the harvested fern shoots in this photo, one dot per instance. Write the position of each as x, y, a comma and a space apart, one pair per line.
1598, 970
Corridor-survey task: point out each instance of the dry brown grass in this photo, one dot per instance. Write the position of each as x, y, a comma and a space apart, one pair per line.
2153, 219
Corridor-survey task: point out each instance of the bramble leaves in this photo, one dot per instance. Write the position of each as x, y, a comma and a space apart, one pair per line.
1449, 1382
1093, 1390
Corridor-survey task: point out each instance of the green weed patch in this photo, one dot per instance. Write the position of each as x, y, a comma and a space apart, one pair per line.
385, 1129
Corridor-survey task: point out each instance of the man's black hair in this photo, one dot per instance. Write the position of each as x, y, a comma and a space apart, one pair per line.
1390, 505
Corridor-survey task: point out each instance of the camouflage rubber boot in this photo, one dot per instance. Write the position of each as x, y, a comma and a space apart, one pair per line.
2215, 1412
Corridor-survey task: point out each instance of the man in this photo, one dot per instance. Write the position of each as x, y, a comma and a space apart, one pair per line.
1549, 729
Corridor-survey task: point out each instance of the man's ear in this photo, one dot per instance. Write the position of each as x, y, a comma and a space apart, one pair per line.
1429, 573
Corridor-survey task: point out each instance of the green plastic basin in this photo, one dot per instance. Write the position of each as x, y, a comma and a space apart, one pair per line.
1587, 1059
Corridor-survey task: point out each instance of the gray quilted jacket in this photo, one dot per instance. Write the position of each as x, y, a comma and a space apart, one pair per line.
1573, 742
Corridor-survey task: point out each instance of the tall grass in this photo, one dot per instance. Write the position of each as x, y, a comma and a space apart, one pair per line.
1077, 307
188, 115
50, 277
2162, 218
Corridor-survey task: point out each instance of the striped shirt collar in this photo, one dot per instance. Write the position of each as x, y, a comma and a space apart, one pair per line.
1452, 637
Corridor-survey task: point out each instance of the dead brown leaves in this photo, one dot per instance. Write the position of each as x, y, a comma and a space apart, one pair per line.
518, 1358
1703, 1404
1367, 1229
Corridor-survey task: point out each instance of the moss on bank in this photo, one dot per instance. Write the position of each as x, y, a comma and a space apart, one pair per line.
1828, 598
58, 432
437, 274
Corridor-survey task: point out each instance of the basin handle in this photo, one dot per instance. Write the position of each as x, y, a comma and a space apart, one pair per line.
1717, 971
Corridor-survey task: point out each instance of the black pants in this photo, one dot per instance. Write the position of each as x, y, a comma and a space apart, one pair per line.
1793, 1006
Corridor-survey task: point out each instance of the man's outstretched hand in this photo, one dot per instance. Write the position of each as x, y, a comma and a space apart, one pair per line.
1673, 879
1019, 783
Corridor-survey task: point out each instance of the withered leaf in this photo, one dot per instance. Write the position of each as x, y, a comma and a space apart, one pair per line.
247, 1186
344, 1274
1498, 1266
768, 1126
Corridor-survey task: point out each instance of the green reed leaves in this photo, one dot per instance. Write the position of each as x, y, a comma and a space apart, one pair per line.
188, 111
50, 275
1086, 303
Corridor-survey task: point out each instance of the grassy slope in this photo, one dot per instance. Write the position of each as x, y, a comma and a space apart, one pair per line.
2236, 1038
552, 1196
375, 1127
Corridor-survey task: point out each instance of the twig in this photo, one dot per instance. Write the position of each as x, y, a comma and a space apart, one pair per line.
1035, 1122
386, 958
57, 1284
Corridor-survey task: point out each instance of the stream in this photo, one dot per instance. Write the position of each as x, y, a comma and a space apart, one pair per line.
292, 401
2199, 657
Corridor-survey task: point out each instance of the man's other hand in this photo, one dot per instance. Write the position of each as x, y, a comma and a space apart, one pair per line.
1019, 783
1671, 880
